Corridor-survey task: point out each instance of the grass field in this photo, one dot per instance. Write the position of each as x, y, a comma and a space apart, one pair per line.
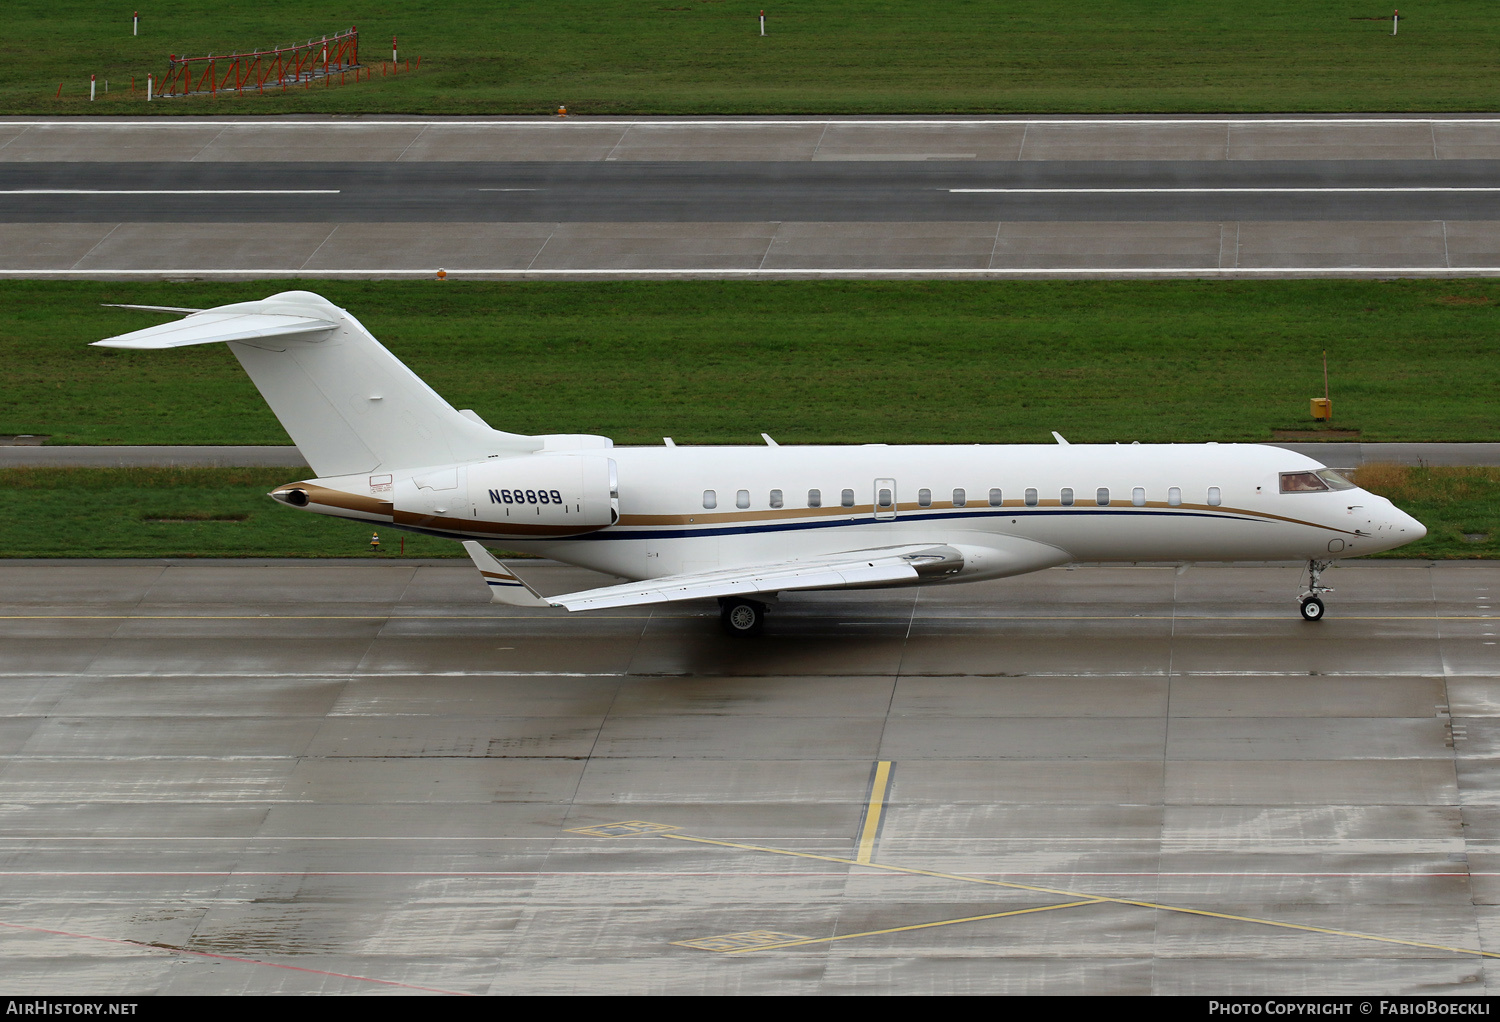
157, 512
1459, 506
809, 362
177, 512
820, 56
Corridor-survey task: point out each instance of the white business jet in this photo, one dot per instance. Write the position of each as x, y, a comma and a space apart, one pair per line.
745, 523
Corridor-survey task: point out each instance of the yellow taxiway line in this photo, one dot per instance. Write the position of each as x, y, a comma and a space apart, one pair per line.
1094, 898
914, 926
873, 810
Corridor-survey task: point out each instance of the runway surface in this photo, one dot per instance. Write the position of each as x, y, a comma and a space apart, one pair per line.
956, 197
723, 192
352, 777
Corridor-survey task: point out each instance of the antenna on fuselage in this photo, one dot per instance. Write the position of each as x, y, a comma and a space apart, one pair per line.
1059, 438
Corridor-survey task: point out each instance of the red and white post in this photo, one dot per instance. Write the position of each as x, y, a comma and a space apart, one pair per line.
148, 88
1395, 22
135, 23
393, 49
762, 22
91, 88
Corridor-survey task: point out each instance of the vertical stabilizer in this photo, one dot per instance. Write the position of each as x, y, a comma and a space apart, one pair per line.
348, 403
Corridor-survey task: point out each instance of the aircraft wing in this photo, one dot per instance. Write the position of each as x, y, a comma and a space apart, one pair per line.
856, 568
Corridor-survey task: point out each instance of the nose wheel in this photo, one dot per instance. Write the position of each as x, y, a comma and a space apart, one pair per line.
741, 617
1310, 600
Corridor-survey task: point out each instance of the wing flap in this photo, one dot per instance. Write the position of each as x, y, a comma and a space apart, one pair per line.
213, 327
850, 570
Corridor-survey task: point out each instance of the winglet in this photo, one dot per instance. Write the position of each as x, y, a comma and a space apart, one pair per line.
505, 585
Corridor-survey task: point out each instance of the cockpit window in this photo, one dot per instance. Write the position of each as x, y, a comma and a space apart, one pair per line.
1302, 482
1335, 479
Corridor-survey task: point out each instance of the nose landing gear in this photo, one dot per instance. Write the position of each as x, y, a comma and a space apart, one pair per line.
1310, 602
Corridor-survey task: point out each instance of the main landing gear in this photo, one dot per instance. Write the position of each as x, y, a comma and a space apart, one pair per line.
741, 617
1311, 605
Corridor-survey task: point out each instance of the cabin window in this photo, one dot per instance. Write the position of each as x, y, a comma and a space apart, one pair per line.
1174, 496
1031, 497
884, 498
1213, 496
1101, 496
1067, 496
960, 498
1302, 482
776, 500
814, 498
742, 499
710, 499
924, 498
846, 498
1138, 496
995, 500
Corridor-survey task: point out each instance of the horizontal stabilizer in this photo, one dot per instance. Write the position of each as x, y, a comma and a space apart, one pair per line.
175, 310
212, 327
852, 570
505, 585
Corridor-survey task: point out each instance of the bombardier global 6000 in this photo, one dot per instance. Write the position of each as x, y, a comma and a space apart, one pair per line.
744, 524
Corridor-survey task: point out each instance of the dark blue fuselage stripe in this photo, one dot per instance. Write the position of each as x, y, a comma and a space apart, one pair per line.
669, 533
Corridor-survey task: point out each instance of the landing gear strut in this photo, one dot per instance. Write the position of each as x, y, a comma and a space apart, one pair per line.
741, 617
1311, 605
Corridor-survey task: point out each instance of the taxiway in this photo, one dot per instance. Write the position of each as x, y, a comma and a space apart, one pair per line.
278, 777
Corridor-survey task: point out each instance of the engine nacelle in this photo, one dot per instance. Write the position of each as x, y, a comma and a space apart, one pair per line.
533, 496
530, 496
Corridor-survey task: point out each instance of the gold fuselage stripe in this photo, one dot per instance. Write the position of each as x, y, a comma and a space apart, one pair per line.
328, 497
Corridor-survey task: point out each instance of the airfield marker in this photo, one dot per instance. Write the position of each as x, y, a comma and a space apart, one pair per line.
91, 88
135, 23
393, 48
762, 22
148, 88
1395, 21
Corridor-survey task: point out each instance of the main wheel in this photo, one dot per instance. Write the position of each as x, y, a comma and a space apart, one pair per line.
742, 617
1312, 609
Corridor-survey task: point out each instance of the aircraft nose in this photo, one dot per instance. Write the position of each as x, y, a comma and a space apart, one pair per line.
1408, 528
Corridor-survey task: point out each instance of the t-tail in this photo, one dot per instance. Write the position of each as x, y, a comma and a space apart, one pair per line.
384, 446
350, 406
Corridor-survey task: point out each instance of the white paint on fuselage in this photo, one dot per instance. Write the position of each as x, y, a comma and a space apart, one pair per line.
664, 528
